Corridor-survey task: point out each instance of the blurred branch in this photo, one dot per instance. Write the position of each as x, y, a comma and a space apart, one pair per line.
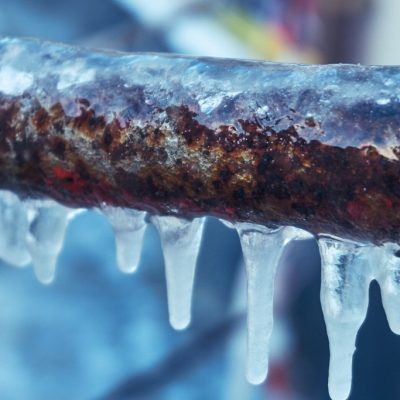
180, 362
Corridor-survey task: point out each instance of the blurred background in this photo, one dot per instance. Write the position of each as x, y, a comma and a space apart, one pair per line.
98, 334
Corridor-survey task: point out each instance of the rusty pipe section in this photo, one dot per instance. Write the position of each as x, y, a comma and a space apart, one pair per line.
316, 147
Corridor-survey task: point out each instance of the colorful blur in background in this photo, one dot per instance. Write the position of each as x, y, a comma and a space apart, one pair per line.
98, 334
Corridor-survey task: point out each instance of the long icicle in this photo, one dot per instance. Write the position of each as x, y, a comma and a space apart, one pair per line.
180, 241
345, 280
262, 249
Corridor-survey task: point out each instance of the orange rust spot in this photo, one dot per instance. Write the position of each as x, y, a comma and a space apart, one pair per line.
41, 120
155, 137
57, 111
88, 123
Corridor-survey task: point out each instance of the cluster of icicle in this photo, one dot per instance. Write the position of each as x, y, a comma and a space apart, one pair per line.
32, 231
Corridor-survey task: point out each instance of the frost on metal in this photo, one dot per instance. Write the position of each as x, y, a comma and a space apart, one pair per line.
280, 151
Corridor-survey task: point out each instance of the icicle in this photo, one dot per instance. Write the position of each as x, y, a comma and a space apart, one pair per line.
346, 276
13, 230
129, 227
387, 264
180, 240
48, 223
228, 224
262, 248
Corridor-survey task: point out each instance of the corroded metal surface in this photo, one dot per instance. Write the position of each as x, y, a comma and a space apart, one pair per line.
311, 146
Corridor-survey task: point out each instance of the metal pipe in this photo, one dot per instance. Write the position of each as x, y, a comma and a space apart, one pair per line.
275, 144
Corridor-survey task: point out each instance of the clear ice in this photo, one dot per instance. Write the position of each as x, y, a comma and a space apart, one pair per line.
13, 230
48, 223
262, 249
387, 263
346, 276
129, 227
33, 231
180, 241
347, 271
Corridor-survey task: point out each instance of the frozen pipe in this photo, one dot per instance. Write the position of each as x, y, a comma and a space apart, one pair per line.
314, 147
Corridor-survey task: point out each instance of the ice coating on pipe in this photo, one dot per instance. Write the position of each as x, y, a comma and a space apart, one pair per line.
180, 241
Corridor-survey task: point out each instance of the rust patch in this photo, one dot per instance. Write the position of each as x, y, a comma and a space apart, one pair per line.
259, 174
41, 121
88, 123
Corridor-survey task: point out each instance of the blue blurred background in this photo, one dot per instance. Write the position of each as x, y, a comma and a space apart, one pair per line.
98, 334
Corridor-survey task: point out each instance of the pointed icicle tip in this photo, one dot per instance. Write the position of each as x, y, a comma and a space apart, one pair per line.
180, 241
345, 280
129, 227
48, 223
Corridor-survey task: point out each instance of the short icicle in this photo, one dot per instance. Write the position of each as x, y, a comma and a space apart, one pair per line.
48, 223
387, 264
346, 276
129, 227
262, 248
13, 230
180, 241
